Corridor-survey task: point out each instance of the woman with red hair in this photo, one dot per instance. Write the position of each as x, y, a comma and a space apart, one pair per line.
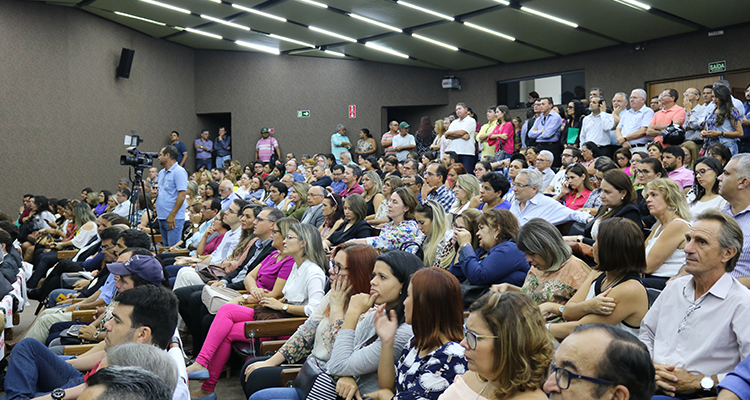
427, 367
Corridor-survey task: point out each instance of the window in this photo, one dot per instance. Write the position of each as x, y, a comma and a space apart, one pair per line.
561, 87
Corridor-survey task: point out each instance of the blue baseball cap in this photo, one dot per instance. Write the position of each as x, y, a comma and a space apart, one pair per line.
145, 267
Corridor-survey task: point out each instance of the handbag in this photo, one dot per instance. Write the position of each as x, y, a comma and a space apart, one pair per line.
306, 377
499, 155
471, 293
673, 135
209, 272
214, 297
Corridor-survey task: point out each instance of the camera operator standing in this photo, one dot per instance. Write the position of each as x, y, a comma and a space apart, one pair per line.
170, 202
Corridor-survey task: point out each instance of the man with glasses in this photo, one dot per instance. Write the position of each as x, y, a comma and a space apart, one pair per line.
170, 203
434, 186
546, 130
544, 162
123, 202
319, 177
226, 192
596, 126
599, 361
337, 185
414, 183
411, 167
698, 330
209, 210
531, 203
314, 213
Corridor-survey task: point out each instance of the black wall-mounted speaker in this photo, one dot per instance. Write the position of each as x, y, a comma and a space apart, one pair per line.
126, 60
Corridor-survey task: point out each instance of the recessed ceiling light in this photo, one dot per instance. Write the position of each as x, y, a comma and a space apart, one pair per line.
334, 34
227, 23
426, 11
314, 3
169, 6
503, 2
140, 18
215, 1
496, 33
373, 22
258, 47
385, 50
549, 17
433, 41
261, 13
635, 4
204, 33
286, 39
334, 53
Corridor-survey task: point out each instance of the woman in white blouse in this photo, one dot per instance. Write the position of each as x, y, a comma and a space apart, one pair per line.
705, 192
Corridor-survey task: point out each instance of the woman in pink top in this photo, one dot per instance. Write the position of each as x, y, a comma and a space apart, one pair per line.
229, 324
503, 135
576, 191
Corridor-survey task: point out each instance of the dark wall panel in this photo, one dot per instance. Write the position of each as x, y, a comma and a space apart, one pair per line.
63, 113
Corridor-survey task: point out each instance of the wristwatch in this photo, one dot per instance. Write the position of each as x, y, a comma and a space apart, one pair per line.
58, 394
245, 297
561, 309
285, 307
96, 335
707, 383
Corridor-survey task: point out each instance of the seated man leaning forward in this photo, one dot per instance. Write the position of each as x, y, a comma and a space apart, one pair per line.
698, 330
145, 314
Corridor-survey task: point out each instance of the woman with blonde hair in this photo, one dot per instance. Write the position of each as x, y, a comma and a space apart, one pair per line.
390, 183
441, 142
507, 348
691, 154
438, 234
373, 191
665, 245
466, 187
297, 194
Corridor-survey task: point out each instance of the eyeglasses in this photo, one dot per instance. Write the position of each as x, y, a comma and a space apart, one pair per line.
702, 171
472, 338
567, 155
276, 232
643, 171
230, 211
290, 237
335, 267
563, 377
520, 186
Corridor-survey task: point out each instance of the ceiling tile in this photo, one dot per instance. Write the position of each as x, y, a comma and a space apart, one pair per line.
707, 13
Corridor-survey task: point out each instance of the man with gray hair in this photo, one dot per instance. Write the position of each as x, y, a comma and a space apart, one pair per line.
340, 142
631, 131
346, 158
226, 192
531, 203
698, 330
734, 187
314, 213
125, 383
544, 163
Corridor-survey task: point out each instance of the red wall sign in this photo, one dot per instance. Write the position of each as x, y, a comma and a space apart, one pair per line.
352, 111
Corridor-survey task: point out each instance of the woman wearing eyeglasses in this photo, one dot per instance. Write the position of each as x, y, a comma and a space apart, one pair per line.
434, 357
613, 293
350, 270
507, 349
267, 280
705, 192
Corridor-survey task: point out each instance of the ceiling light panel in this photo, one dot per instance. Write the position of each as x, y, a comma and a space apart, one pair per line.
151, 21
223, 22
634, 4
314, 3
258, 47
434, 54
337, 22
384, 49
425, 10
435, 42
490, 31
550, 17
374, 22
167, 6
333, 34
258, 12
204, 33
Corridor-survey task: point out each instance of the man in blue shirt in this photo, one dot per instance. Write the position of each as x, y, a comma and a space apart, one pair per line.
223, 147
340, 142
170, 202
203, 148
546, 130
174, 139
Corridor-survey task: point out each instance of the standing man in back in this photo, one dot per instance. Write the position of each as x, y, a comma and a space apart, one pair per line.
203, 148
387, 140
170, 204
222, 147
546, 130
461, 132
266, 147
174, 139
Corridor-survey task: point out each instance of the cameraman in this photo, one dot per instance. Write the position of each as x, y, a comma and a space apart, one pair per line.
170, 202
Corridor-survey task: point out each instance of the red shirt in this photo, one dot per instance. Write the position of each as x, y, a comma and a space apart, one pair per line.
574, 203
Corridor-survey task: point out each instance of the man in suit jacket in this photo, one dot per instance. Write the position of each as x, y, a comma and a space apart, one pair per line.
314, 213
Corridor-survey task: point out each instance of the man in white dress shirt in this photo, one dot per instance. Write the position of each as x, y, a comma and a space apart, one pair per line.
698, 330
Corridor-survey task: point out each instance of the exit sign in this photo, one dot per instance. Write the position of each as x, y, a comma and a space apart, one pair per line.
303, 114
717, 66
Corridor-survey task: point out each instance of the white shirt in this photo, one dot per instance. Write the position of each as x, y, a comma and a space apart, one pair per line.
123, 209
715, 334
399, 140
462, 146
631, 121
226, 247
717, 203
541, 206
305, 286
560, 178
595, 128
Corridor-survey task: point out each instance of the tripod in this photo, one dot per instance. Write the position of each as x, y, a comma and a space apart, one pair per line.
138, 189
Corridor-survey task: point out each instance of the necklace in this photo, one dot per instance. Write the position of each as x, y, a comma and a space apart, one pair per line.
480, 392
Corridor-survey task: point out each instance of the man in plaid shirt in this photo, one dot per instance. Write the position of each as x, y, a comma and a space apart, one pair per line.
434, 188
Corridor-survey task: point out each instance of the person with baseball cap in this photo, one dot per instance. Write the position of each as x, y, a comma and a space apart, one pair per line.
266, 146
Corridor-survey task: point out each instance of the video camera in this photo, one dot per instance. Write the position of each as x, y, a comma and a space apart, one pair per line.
137, 159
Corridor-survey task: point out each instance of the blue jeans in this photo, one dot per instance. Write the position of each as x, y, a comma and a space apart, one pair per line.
220, 160
171, 237
172, 272
33, 369
52, 298
468, 161
281, 393
205, 162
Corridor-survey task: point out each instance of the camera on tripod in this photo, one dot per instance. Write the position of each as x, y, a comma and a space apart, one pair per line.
138, 159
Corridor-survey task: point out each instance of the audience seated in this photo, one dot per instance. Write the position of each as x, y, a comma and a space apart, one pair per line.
402, 229
354, 225
705, 192
531, 203
435, 225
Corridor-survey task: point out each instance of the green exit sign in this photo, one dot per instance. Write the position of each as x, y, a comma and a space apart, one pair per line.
717, 66
303, 113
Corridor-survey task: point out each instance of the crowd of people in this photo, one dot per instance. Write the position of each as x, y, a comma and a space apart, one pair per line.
596, 251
